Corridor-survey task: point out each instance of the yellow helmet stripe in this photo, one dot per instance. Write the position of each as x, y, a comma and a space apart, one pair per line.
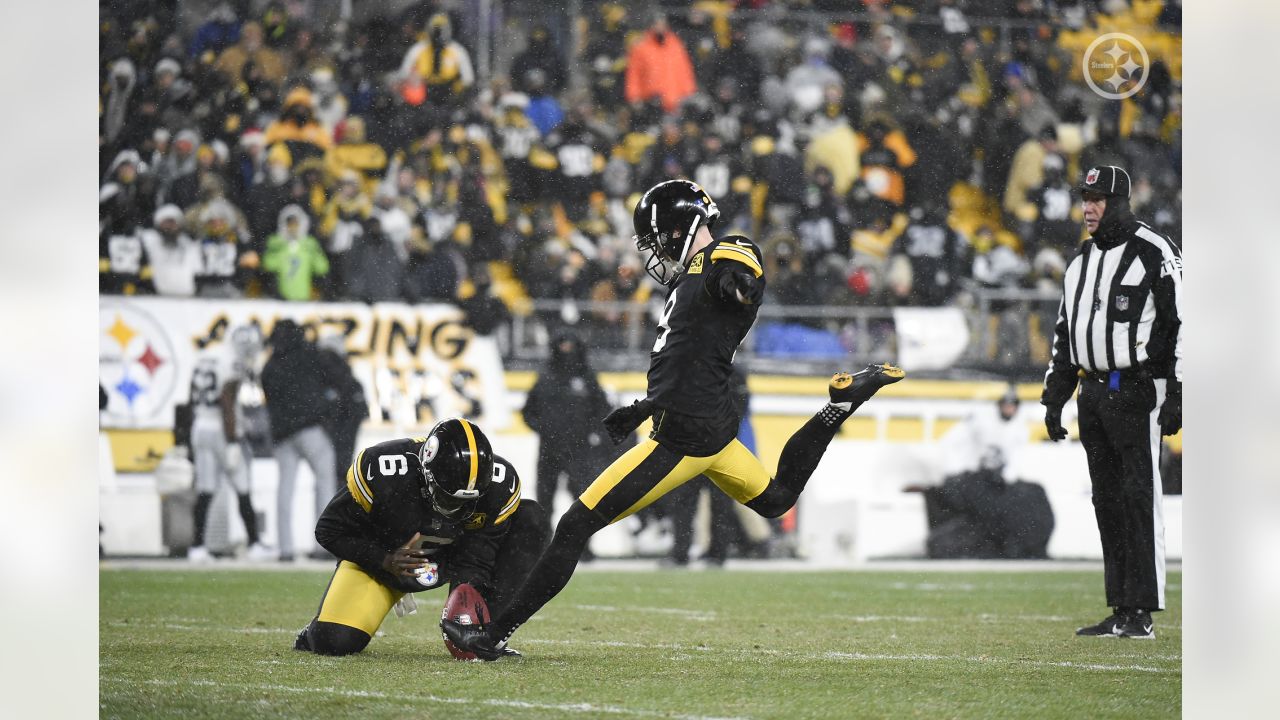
475, 456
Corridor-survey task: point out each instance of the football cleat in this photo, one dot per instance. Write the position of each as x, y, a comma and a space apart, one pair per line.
508, 652
474, 639
850, 391
303, 640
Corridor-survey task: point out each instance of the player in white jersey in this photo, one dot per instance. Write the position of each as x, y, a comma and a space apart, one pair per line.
224, 406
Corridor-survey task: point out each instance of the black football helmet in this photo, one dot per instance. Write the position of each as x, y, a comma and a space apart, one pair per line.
457, 464
665, 220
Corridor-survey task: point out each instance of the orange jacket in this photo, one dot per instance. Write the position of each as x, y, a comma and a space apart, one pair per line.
659, 69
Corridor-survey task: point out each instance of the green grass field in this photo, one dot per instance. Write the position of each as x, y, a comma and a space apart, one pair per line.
645, 644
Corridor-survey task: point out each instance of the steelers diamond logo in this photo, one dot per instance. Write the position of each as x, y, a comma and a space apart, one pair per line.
1116, 66
137, 365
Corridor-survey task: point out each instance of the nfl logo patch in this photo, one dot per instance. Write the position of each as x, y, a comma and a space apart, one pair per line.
1122, 302
1092, 177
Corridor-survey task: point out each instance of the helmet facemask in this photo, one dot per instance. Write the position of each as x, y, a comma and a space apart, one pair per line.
451, 483
448, 504
667, 252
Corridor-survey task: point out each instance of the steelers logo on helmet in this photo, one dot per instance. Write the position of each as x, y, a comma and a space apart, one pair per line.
666, 220
457, 465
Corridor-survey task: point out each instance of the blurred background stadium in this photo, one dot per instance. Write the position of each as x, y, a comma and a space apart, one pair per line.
467, 170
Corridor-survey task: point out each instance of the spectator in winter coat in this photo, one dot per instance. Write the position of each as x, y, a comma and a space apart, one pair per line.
836, 149
659, 66
220, 30
264, 201
119, 103
356, 153
439, 64
297, 127
1027, 173
886, 155
174, 255
231, 62
343, 222
293, 256
806, 83
374, 271
433, 271
122, 203
178, 162
542, 53
543, 109
227, 259
933, 253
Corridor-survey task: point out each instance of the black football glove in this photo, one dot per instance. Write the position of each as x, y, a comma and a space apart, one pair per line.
750, 289
622, 422
1171, 410
1053, 423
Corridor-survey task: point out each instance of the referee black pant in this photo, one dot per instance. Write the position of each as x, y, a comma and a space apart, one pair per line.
1121, 437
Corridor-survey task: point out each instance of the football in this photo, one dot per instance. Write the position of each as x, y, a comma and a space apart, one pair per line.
467, 606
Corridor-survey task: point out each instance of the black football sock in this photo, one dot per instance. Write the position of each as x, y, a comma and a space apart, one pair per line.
553, 570
800, 457
203, 500
250, 519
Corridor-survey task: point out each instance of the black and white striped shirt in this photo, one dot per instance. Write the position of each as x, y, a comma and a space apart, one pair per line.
1121, 308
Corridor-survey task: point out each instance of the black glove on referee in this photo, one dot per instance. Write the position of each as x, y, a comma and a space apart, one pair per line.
1053, 422
1171, 410
622, 422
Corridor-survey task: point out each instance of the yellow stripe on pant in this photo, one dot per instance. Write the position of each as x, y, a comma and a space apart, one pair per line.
647, 471
356, 600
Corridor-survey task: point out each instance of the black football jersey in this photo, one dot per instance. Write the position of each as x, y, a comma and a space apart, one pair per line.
691, 364
385, 502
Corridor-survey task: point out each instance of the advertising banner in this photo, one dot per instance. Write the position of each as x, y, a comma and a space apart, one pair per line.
417, 362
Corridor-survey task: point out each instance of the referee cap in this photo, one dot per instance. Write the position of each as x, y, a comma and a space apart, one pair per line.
1109, 180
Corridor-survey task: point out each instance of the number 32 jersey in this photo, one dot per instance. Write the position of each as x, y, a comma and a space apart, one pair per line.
385, 503
702, 325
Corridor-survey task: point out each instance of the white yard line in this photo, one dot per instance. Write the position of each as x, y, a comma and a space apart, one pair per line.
877, 618
854, 656
586, 708
681, 612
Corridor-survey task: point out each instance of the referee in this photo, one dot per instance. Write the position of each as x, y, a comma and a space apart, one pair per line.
1119, 335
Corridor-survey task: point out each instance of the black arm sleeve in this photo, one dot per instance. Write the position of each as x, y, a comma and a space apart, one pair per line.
1061, 379
345, 530
725, 278
1166, 335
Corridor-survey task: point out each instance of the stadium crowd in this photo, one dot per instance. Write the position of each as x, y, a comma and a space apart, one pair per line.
897, 157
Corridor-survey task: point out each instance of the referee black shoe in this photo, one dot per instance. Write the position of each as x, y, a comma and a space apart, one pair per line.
1109, 628
1123, 624
1139, 626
